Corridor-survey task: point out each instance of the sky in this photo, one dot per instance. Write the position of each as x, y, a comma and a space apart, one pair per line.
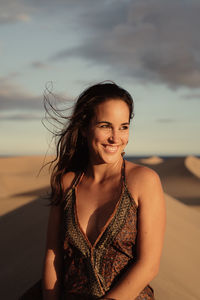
149, 47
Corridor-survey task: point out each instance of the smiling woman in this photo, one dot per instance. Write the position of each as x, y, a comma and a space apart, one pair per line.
107, 217
107, 134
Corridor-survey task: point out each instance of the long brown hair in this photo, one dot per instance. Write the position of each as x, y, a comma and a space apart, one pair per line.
71, 146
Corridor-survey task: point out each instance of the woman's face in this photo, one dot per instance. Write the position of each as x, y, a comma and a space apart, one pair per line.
108, 132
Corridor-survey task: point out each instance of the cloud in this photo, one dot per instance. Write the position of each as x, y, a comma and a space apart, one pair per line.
39, 65
151, 40
12, 11
20, 117
13, 97
192, 96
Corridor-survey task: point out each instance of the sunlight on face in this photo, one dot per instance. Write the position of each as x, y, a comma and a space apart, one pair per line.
108, 132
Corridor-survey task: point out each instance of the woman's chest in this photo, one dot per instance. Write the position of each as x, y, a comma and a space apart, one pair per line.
119, 231
95, 209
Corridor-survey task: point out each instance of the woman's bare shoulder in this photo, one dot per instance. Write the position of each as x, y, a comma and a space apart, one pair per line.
67, 180
140, 178
140, 172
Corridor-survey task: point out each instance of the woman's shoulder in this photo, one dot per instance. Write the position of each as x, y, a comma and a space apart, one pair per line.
140, 178
134, 169
140, 172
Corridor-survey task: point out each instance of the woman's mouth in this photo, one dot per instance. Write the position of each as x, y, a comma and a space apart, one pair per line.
111, 148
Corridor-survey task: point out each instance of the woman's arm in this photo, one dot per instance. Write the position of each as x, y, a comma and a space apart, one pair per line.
151, 227
53, 260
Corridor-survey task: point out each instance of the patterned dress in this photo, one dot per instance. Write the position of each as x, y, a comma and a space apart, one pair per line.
91, 270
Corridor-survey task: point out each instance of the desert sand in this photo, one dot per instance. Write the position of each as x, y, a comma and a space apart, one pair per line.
153, 160
193, 164
24, 214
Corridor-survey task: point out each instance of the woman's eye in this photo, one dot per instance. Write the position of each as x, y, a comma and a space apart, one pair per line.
108, 126
105, 126
125, 127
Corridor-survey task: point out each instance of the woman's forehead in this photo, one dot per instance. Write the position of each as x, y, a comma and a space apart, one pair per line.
112, 109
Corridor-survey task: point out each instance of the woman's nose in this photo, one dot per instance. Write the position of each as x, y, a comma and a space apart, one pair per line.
114, 136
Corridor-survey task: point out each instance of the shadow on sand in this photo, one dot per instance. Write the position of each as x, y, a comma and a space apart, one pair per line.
23, 234
177, 180
23, 231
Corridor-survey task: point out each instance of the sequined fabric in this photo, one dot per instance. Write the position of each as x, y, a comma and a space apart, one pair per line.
91, 270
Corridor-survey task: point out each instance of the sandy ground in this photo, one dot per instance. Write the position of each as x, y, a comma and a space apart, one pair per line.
24, 215
180, 177
178, 278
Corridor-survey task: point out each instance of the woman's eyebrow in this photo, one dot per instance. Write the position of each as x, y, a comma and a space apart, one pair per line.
126, 123
109, 123
103, 122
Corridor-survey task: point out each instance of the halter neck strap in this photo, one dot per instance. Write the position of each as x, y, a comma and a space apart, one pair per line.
124, 172
77, 178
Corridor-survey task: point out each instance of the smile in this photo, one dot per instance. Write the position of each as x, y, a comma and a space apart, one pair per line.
111, 149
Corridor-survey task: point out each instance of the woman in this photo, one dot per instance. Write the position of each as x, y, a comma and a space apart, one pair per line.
107, 218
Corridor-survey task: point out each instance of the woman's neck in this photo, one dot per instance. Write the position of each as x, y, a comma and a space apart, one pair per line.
101, 172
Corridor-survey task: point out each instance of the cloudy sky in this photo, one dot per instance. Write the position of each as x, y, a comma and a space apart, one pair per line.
149, 47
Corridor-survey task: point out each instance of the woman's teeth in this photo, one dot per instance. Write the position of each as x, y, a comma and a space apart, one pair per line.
111, 148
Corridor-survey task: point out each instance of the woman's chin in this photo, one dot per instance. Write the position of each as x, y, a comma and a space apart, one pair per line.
110, 158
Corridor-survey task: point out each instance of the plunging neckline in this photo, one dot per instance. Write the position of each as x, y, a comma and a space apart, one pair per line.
111, 217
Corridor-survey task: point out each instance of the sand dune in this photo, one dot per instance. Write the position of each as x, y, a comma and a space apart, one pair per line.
193, 165
19, 175
179, 179
183, 165
23, 223
173, 167
179, 272
153, 160
23, 227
